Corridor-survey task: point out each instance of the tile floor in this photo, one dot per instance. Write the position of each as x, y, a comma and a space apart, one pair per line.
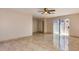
37, 42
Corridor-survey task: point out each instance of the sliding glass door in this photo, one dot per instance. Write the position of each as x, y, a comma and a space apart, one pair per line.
61, 33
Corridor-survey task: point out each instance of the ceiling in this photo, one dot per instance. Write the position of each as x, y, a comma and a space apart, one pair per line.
59, 11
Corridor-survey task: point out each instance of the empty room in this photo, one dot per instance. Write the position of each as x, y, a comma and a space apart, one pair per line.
39, 29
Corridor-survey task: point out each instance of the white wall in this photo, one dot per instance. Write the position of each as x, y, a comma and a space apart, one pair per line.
74, 25
14, 24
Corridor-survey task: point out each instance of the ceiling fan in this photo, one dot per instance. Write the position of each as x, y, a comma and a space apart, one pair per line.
47, 11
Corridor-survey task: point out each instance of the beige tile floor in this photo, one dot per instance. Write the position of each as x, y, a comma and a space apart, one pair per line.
37, 42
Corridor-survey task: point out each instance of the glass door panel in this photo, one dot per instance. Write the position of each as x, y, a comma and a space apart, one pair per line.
56, 33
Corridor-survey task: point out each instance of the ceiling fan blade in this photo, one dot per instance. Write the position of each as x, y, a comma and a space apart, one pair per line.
51, 10
48, 12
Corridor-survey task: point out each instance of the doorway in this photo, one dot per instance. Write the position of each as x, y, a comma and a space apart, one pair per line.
38, 25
